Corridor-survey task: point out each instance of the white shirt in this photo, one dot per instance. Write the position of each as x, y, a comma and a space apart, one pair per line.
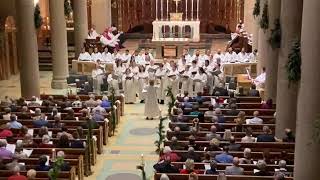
230, 57
84, 57
218, 56
107, 57
96, 72
260, 79
125, 57
116, 56
201, 77
96, 56
255, 120
242, 57
93, 35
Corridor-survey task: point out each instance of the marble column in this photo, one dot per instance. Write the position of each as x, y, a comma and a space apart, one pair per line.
27, 49
59, 46
263, 41
307, 149
291, 17
272, 53
80, 24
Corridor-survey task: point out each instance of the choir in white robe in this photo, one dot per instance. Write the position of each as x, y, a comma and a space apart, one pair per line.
113, 81
243, 57
162, 78
173, 82
230, 57
93, 34
107, 57
85, 57
126, 57
142, 78
260, 80
130, 95
199, 81
151, 104
97, 75
185, 80
96, 55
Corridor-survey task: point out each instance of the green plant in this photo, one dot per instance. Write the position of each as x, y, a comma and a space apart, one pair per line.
275, 36
37, 17
67, 8
256, 10
161, 135
264, 21
294, 63
172, 99
56, 168
113, 113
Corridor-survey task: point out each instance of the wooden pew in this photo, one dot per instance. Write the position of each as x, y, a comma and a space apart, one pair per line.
267, 112
245, 105
70, 175
254, 127
256, 146
222, 166
240, 99
211, 177
266, 119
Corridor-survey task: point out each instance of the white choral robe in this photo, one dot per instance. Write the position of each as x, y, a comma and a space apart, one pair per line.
161, 77
185, 80
252, 57
151, 105
107, 57
113, 82
143, 80
130, 95
96, 56
152, 74
230, 57
97, 75
210, 78
243, 57
85, 57
260, 80
93, 35
200, 80
126, 57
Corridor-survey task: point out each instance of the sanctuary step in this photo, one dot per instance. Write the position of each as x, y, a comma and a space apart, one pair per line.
45, 58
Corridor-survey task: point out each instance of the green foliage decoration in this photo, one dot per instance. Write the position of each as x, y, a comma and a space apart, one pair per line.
172, 99
256, 9
67, 8
37, 17
275, 36
264, 21
56, 168
294, 63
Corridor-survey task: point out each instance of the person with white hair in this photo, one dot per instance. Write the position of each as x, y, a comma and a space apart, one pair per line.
16, 174
255, 119
65, 166
167, 152
283, 168
262, 169
266, 136
98, 107
221, 118
105, 102
189, 167
246, 156
164, 177
5, 153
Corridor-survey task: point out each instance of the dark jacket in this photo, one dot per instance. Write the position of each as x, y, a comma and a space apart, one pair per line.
254, 92
165, 167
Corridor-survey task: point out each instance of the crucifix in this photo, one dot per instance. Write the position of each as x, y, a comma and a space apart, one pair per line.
177, 1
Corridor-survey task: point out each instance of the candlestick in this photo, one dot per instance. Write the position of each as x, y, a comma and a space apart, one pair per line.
157, 10
198, 10
176, 6
53, 154
186, 10
161, 10
142, 159
191, 10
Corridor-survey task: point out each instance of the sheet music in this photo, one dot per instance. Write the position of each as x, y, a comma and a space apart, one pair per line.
48, 160
28, 152
11, 147
30, 131
207, 166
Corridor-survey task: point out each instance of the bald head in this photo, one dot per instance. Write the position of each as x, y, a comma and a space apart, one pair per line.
236, 161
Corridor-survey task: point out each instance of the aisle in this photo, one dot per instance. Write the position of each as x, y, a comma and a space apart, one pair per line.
135, 136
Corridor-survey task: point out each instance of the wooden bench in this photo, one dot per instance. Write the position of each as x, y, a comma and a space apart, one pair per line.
268, 112
245, 105
186, 118
211, 177
70, 175
240, 99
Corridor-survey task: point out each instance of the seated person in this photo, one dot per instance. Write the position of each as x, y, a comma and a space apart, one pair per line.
267, 105
289, 136
186, 103
46, 142
283, 168
233, 110
213, 168
253, 91
212, 134
16, 174
105, 102
224, 157
42, 121
233, 146
65, 166
77, 142
168, 152
175, 145
248, 138
189, 164
195, 111
42, 164
246, 157
210, 112
4, 153
255, 119
191, 155
234, 169
266, 136
262, 169
165, 166
6, 132
7, 113
221, 89
221, 118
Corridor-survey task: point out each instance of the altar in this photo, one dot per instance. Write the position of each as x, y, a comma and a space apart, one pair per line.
176, 26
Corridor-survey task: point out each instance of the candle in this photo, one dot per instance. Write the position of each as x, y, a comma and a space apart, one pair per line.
161, 10
167, 10
156, 9
142, 159
186, 9
191, 10
198, 10
53, 154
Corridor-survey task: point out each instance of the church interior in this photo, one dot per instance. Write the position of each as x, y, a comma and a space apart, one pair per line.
159, 89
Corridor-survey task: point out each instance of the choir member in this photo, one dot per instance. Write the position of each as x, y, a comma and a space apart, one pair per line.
126, 56
84, 55
97, 75
161, 76
92, 34
151, 106
243, 56
129, 86
142, 80
96, 55
200, 80
106, 56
